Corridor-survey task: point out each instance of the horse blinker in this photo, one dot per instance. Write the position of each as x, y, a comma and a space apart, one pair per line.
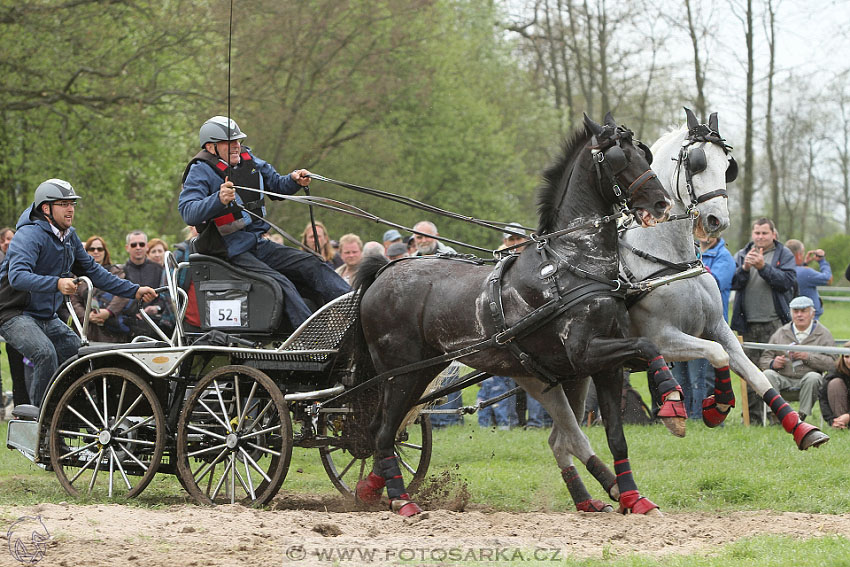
731, 170
617, 159
697, 161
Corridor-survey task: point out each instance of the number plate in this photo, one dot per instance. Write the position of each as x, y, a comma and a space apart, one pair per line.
225, 313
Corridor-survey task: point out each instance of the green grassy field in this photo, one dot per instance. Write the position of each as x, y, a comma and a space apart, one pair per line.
726, 469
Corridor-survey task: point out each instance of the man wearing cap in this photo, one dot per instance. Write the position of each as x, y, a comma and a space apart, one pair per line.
391, 237
397, 250
220, 198
38, 270
787, 369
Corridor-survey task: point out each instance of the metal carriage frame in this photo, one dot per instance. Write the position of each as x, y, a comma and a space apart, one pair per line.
215, 408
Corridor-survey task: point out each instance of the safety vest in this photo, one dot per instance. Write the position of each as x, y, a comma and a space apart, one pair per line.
245, 175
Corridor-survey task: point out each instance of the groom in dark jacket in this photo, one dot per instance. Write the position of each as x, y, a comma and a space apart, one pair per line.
38, 270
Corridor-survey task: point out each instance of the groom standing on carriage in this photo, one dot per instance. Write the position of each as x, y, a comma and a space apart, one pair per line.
222, 196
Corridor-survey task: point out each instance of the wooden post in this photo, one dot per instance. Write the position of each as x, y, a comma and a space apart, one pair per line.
745, 406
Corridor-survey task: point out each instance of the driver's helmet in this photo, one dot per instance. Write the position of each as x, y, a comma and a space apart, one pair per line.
220, 129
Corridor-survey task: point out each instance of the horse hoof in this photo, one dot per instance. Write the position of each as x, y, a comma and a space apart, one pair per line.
712, 415
656, 512
594, 505
807, 435
676, 425
368, 490
405, 508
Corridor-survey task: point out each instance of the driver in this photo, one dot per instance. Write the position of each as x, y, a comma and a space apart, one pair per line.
210, 202
37, 272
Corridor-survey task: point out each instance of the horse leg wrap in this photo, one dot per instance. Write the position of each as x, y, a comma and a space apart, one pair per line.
603, 475
369, 489
579, 493
805, 434
712, 416
400, 502
660, 373
630, 498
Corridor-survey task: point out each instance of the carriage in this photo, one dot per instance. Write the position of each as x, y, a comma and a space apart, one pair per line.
221, 408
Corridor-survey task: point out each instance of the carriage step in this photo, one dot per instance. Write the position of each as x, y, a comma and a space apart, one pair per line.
25, 411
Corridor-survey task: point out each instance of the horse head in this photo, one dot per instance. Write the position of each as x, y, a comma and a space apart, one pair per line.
702, 166
626, 162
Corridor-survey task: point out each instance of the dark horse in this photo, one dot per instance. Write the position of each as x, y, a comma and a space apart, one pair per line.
550, 316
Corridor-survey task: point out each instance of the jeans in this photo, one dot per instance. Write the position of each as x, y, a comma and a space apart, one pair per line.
291, 267
692, 376
46, 342
503, 413
449, 376
537, 414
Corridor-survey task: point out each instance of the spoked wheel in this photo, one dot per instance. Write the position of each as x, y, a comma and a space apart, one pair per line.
234, 438
107, 435
347, 458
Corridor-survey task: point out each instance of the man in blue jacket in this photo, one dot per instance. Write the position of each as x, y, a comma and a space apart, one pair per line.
229, 220
38, 270
765, 281
808, 279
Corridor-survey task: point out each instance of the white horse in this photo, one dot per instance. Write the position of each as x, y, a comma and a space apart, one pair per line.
683, 318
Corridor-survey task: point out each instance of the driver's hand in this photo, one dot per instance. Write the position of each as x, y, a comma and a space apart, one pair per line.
226, 192
145, 293
301, 176
66, 286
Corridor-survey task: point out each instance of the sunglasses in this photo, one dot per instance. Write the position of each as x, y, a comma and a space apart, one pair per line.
96, 249
138, 244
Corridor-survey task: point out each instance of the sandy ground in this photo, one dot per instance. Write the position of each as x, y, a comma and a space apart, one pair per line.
322, 530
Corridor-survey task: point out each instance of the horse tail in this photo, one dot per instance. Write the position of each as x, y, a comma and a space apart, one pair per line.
367, 271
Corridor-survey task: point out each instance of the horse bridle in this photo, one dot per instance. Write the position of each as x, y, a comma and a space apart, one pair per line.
610, 159
693, 161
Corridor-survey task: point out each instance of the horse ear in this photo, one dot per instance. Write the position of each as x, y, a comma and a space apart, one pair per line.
594, 128
609, 120
692, 119
712, 123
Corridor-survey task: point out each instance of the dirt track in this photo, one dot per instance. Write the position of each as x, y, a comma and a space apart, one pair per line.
324, 531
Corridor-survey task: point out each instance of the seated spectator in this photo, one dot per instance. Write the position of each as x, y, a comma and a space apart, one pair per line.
106, 321
794, 369
835, 393
351, 251
391, 237
325, 249
397, 250
808, 279
156, 251
373, 248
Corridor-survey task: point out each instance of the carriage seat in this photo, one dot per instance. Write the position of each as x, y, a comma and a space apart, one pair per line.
234, 300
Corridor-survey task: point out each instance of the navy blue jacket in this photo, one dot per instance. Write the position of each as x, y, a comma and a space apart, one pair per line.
780, 275
35, 261
199, 201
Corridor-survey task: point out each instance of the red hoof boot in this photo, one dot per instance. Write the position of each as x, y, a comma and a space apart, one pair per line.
405, 508
807, 435
594, 505
632, 501
711, 415
673, 408
369, 489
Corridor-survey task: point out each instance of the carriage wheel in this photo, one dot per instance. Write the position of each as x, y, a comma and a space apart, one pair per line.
346, 463
234, 438
107, 435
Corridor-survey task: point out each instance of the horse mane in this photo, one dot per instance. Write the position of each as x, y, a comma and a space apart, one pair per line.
675, 132
555, 178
